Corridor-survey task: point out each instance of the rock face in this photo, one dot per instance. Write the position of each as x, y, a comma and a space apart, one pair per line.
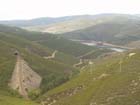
24, 79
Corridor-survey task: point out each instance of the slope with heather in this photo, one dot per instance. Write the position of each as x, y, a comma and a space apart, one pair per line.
34, 48
113, 80
53, 71
119, 29
50, 41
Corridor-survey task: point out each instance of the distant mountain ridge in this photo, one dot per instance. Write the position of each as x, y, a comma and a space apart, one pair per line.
113, 28
39, 21
108, 32
81, 22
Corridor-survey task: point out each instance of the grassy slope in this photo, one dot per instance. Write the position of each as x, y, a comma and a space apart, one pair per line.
7, 62
68, 47
7, 100
115, 29
52, 75
80, 22
117, 88
50, 41
60, 44
64, 26
54, 72
35, 37
120, 33
96, 53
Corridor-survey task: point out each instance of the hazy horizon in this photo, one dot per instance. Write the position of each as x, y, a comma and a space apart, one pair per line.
18, 19
29, 9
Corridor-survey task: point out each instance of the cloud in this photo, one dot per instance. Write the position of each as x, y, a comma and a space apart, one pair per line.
25, 9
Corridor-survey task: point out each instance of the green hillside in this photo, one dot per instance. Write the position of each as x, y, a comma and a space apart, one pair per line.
9, 100
50, 41
116, 33
33, 48
120, 29
116, 29
42, 66
104, 82
54, 72
104, 78
65, 26
81, 22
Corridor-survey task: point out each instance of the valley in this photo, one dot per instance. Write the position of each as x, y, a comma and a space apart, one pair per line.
70, 60
113, 47
44, 62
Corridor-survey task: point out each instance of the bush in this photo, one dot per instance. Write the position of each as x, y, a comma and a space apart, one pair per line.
34, 94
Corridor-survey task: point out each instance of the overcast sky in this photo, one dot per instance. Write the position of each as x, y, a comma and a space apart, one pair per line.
27, 9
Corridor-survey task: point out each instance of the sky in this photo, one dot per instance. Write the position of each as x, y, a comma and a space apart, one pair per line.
28, 9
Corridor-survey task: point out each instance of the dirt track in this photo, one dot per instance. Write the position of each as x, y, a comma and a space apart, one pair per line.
77, 64
52, 56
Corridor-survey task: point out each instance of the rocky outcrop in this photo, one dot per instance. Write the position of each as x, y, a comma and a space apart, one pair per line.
24, 79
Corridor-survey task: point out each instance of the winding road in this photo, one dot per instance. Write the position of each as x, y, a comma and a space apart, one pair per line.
52, 56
